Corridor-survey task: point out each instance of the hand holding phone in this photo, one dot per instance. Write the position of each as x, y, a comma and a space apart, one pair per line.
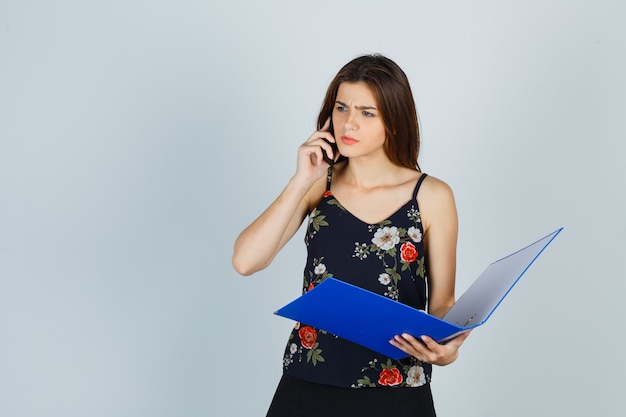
328, 126
333, 145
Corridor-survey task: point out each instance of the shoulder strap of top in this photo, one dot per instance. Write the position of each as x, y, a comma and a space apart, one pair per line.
417, 186
329, 177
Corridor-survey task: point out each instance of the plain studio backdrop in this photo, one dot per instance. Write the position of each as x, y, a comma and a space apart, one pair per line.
138, 138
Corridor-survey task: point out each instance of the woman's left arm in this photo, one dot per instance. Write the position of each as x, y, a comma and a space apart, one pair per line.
440, 222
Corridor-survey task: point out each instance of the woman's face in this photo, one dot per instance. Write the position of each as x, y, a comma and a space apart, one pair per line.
357, 121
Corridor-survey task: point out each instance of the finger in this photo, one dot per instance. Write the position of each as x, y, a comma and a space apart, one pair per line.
326, 146
409, 344
319, 156
320, 134
324, 151
417, 344
330, 151
397, 342
426, 345
430, 342
326, 125
417, 350
458, 341
311, 152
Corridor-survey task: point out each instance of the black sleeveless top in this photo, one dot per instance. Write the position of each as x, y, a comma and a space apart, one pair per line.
386, 258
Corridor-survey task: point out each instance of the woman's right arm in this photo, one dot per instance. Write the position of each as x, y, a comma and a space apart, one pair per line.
259, 243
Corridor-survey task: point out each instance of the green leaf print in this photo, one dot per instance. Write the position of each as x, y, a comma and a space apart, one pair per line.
318, 221
388, 365
421, 270
365, 382
405, 265
334, 202
315, 355
393, 274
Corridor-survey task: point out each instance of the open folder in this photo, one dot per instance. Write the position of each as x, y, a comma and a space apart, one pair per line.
337, 307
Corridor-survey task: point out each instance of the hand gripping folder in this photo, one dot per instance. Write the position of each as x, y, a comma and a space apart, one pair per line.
372, 320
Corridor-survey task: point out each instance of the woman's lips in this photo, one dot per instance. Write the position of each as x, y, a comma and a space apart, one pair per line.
348, 140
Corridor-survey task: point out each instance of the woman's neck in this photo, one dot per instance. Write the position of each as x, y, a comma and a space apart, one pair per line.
367, 173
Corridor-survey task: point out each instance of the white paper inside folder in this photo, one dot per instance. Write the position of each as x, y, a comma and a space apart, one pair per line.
480, 300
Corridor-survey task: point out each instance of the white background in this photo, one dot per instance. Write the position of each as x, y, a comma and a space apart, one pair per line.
138, 138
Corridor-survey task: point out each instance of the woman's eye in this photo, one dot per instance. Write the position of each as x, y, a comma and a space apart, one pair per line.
368, 114
341, 108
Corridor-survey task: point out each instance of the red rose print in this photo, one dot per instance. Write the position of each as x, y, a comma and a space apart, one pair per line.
308, 336
408, 253
327, 193
390, 377
311, 286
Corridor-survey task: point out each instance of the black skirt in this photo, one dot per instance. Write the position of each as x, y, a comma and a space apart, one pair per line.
298, 398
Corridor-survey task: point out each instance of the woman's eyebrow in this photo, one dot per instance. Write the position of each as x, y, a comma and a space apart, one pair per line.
358, 107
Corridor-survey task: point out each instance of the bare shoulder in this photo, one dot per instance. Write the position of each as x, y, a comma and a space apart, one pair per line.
434, 189
436, 201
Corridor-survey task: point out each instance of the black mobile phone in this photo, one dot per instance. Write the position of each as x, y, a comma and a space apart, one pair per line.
335, 150
333, 146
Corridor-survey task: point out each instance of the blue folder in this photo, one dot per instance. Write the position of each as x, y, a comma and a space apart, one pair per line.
372, 320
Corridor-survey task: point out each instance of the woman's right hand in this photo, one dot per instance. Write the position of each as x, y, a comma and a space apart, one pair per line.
311, 165
258, 244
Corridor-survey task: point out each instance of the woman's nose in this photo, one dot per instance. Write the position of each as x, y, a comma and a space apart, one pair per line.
350, 122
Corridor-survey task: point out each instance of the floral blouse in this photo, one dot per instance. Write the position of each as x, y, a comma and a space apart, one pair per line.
386, 258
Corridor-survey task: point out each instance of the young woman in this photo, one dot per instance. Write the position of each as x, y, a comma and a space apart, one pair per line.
375, 221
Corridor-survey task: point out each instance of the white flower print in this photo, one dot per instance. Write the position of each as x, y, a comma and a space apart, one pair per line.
360, 251
319, 269
384, 279
414, 215
293, 348
287, 360
386, 238
392, 292
415, 234
416, 377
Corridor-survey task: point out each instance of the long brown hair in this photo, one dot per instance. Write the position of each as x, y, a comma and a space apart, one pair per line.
394, 98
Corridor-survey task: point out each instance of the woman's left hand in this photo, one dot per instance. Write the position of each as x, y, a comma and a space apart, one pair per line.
427, 350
